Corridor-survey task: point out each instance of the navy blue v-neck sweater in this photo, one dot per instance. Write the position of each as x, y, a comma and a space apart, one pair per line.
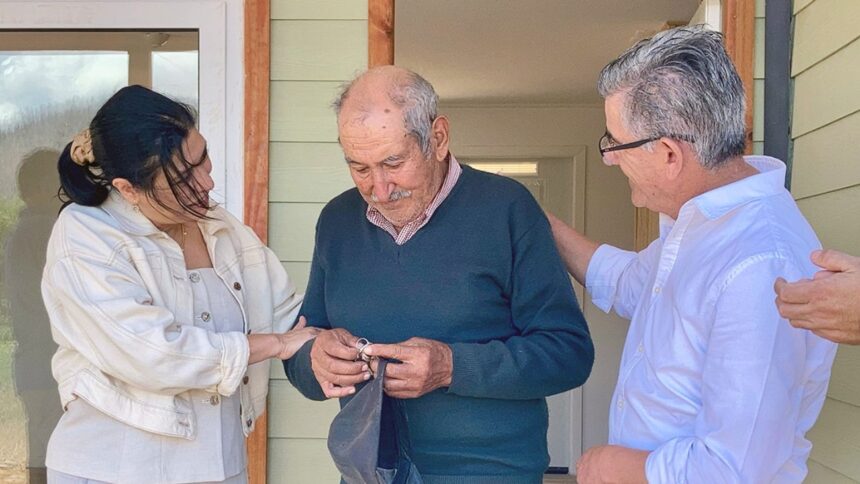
484, 277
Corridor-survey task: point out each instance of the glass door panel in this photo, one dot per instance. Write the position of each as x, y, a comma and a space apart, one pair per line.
51, 85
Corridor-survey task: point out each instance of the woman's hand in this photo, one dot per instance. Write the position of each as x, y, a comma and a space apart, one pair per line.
283, 345
294, 339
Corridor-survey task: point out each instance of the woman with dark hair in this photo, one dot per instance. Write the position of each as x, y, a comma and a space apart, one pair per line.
166, 309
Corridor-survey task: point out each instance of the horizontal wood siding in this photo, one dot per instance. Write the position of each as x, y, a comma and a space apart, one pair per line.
292, 164
833, 215
316, 45
827, 91
827, 159
838, 18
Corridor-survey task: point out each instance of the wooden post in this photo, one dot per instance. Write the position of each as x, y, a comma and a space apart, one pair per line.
257, 69
739, 30
380, 32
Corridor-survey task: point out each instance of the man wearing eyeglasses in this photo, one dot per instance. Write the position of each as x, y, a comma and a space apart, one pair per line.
713, 386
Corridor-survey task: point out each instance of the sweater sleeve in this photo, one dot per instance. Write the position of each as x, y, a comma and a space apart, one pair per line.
552, 351
298, 368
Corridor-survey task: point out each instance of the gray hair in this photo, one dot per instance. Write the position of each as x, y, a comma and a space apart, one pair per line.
682, 84
413, 95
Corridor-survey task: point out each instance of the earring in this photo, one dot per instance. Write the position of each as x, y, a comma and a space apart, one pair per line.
135, 208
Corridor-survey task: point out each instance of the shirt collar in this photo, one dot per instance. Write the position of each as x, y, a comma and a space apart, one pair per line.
770, 180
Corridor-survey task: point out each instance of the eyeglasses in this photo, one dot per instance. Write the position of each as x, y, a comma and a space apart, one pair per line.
607, 144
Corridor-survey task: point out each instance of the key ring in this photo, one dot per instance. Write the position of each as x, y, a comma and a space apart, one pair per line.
361, 345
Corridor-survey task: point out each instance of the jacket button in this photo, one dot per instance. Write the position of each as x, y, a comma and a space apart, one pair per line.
205, 316
194, 277
249, 422
214, 400
245, 380
237, 286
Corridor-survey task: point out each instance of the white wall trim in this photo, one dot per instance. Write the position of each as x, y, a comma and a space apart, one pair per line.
221, 36
710, 13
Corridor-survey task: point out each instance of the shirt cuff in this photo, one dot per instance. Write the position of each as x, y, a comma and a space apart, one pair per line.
667, 462
604, 269
234, 361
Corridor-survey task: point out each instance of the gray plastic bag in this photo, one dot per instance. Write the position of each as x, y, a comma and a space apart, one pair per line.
369, 438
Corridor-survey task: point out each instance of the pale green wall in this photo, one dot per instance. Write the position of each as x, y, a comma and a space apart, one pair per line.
826, 184
316, 45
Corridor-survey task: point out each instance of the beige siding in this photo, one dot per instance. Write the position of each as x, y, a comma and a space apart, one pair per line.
300, 417
300, 461
826, 182
292, 236
327, 58
834, 437
299, 272
827, 91
834, 216
844, 385
820, 473
800, 5
838, 18
316, 46
291, 165
827, 159
319, 9
301, 112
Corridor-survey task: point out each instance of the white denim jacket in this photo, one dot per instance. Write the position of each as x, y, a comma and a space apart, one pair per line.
121, 311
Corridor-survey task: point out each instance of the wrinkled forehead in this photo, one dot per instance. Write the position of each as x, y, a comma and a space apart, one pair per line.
378, 123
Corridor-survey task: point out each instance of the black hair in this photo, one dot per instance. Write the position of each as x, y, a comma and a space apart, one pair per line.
136, 135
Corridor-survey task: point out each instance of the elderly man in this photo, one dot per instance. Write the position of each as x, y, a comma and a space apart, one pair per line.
713, 385
829, 303
454, 273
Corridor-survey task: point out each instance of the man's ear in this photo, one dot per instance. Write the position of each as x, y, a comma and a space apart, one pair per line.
127, 190
674, 157
439, 137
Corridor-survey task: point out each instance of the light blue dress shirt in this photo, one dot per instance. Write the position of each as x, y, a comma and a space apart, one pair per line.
713, 381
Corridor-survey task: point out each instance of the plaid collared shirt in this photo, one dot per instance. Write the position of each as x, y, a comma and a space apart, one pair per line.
407, 231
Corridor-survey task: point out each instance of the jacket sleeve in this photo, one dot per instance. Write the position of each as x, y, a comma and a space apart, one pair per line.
103, 310
552, 351
298, 368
